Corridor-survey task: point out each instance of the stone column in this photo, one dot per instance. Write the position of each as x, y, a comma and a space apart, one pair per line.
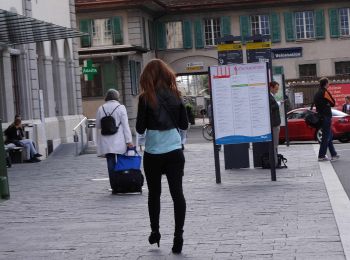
49, 92
71, 90
62, 83
76, 75
9, 106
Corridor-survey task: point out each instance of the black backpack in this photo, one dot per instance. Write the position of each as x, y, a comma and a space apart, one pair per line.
281, 161
108, 124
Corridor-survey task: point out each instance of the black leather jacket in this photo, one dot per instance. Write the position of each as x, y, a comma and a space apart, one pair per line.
159, 118
275, 111
13, 134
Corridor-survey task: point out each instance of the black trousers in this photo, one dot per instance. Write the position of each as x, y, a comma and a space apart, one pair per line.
172, 165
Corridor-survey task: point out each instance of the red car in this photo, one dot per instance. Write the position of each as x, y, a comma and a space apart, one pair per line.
298, 130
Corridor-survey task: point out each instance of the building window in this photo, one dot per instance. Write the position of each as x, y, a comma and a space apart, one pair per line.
260, 25
342, 68
304, 22
135, 71
307, 70
92, 88
174, 38
211, 31
344, 18
102, 32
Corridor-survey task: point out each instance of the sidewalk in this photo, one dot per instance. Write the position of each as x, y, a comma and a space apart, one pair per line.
61, 209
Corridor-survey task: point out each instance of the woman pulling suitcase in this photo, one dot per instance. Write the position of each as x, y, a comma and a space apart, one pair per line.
162, 113
113, 131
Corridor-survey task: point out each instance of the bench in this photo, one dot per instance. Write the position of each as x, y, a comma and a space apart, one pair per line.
14, 153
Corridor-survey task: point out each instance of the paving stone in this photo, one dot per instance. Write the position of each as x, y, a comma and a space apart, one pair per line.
58, 211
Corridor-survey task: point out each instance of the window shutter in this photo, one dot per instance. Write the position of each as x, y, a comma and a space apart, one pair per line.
320, 26
151, 35
333, 22
117, 30
85, 26
244, 27
275, 27
132, 66
289, 27
225, 26
198, 34
161, 37
277, 70
187, 34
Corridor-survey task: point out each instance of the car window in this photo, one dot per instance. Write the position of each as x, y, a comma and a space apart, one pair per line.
291, 116
338, 113
296, 115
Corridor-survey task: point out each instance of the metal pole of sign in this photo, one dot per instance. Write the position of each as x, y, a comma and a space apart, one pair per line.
4, 185
216, 149
272, 150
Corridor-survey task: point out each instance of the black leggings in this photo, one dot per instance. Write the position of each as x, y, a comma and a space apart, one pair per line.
172, 164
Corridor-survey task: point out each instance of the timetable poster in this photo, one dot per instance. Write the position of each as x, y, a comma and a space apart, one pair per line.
240, 103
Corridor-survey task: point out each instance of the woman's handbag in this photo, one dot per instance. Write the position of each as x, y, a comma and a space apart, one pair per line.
313, 119
128, 162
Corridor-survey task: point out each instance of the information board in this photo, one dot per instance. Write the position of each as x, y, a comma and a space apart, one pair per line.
240, 103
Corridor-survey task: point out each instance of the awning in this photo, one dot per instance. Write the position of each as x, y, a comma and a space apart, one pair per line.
19, 29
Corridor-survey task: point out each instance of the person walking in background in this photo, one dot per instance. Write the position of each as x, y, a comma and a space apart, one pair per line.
275, 116
15, 135
346, 106
161, 112
324, 101
108, 144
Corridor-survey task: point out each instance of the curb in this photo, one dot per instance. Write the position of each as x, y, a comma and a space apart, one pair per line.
339, 201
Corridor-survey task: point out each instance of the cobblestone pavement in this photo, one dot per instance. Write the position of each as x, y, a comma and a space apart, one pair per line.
61, 209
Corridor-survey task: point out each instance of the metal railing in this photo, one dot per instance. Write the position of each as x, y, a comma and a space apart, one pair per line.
79, 135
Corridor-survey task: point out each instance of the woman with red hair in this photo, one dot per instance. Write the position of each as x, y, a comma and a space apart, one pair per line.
162, 113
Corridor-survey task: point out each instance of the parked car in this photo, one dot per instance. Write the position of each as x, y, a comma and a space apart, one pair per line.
298, 130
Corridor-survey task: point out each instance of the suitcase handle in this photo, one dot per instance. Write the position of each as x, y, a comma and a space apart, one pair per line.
131, 149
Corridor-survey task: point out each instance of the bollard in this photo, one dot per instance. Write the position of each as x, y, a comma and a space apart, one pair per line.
4, 185
4, 188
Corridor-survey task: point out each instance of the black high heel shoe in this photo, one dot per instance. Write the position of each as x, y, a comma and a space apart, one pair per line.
154, 237
178, 243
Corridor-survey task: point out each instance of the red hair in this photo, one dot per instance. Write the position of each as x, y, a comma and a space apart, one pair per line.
157, 75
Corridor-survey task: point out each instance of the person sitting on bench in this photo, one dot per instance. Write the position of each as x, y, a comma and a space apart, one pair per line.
15, 134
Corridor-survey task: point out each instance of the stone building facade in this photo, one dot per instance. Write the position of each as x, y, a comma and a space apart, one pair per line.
39, 70
309, 38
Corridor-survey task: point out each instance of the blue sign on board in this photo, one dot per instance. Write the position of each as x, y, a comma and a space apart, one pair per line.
285, 53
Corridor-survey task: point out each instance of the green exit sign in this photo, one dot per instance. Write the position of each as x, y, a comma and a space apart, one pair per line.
89, 70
